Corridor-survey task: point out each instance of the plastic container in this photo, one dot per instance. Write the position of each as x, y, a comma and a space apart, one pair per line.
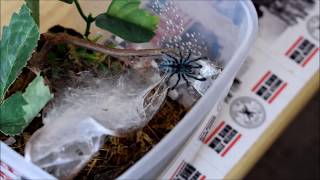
230, 29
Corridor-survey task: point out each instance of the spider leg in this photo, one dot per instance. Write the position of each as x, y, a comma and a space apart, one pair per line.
160, 62
196, 78
172, 57
179, 77
188, 71
189, 54
196, 63
194, 60
181, 56
184, 60
164, 67
170, 76
197, 66
185, 79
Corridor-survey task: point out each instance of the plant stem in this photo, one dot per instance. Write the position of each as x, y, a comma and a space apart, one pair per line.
80, 10
36, 62
65, 38
89, 19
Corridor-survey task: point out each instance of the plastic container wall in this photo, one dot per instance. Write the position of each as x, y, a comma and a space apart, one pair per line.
230, 29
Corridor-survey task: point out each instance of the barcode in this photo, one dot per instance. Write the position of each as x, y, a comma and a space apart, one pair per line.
269, 87
302, 51
186, 171
288, 11
222, 138
207, 129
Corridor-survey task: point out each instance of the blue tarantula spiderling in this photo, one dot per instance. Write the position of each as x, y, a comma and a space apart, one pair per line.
183, 66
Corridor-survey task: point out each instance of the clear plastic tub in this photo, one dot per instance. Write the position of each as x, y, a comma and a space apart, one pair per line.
229, 29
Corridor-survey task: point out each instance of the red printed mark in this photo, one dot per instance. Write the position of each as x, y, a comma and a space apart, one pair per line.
305, 62
214, 132
231, 145
277, 93
4, 176
4, 165
294, 45
177, 170
202, 178
255, 87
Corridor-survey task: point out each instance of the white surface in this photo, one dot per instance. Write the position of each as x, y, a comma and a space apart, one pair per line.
262, 59
14, 166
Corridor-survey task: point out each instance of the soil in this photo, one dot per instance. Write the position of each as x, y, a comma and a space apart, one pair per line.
118, 154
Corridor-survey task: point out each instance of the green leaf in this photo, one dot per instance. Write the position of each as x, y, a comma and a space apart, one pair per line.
67, 1
37, 95
11, 114
18, 110
124, 18
18, 42
34, 7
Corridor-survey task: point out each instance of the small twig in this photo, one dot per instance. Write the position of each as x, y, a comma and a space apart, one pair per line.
152, 131
65, 38
89, 19
91, 166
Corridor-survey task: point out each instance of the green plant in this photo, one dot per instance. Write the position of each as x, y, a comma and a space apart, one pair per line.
123, 18
19, 39
17, 44
33, 5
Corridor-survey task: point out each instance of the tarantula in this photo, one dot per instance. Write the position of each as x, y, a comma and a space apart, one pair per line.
184, 67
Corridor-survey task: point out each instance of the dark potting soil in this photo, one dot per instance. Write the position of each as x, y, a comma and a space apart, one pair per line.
117, 154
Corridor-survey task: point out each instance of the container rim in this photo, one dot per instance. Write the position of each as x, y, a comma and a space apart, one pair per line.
205, 103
